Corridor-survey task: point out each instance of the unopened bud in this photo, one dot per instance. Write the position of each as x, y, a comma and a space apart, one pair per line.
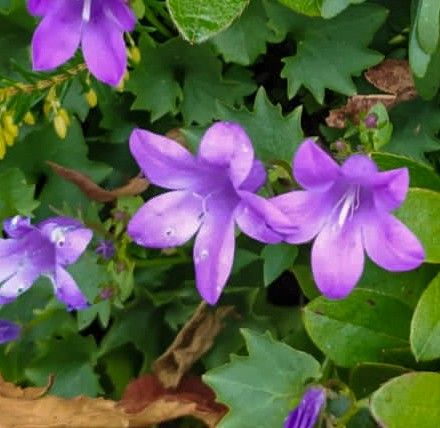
60, 126
371, 121
9, 125
8, 137
29, 118
63, 113
2, 145
135, 54
91, 98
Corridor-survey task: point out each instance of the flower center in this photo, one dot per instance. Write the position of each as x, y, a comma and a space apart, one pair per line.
87, 7
58, 236
348, 204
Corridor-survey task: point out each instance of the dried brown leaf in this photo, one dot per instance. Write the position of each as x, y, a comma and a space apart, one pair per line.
94, 192
147, 401
195, 338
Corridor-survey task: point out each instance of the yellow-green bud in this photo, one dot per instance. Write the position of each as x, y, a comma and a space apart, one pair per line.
91, 98
135, 54
29, 118
60, 125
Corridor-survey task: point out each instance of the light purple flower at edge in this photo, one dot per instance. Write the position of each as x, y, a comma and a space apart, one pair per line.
306, 414
9, 331
210, 193
97, 25
347, 208
44, 249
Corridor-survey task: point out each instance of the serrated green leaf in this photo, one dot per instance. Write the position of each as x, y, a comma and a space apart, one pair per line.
416, 124
273, 135
190, 81
359, 328
277, 258
409, 401
270, 381
246, 39
425, 325
420, 213
320, 44
16, 196
198, 20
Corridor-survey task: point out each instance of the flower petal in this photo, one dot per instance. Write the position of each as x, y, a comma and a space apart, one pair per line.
58, 35
255, 178
67, 291
306, 414
308, 211
9, 331
168, 220
19, 282
227, 144
104, 48
213, 255
260, 219
40, 7
390, 188
18, 226
359, 169
121, 14
338, 258
313, 168
163, 161
390, 244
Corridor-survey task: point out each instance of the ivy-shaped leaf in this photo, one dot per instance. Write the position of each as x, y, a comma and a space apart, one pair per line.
273, 135
261, 388
180, 77
338, 46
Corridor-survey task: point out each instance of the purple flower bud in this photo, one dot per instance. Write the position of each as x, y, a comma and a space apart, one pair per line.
106, 249
371, 121
306, 414
340, 146
9, 331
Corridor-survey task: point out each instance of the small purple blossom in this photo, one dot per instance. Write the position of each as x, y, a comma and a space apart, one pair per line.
43, 249
347, 208
306, 414
9, 331
211, 192
105, 248
371, 121
97, 25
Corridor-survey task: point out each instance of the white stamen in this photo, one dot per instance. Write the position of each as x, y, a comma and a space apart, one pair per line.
350, 202
86, 10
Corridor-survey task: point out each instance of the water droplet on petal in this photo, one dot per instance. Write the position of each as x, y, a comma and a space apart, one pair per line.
204, 254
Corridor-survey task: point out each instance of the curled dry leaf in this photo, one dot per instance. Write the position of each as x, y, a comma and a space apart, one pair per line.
147, 401
94, 192
195, 338
392, 76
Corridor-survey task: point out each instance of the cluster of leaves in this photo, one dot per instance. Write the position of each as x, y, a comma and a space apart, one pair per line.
279, 68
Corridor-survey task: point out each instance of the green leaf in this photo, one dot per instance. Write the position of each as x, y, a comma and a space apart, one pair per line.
420, 174
420, 213
246, 39
274, 136
198, 20
428, 25
16, 196
190, 81
320, 44
277, 258
416, 124
331, 8
270, 381
71, 360
418, 58
425, 325
306, 7
408, 401
359, 328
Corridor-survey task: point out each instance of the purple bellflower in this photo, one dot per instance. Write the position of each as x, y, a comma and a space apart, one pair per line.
210, 193
44, 249
97, 25
306, 414
9, 331
347, 208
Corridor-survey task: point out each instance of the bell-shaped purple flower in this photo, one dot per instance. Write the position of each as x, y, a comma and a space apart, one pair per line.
210, 193
97, 25
44, 249
9, 331
306, 414
347, 208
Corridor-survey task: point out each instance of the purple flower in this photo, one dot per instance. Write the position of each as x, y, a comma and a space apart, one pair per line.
45, 249
210, 193
347, 208
106, 249
9, 331
306, 414
97, 25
